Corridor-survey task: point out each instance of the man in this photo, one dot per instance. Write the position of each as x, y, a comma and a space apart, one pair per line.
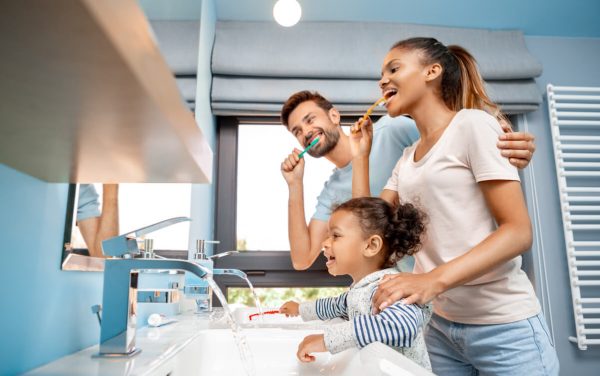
96, 226
308, 115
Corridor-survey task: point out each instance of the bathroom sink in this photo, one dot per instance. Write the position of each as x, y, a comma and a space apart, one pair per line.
214, 352
203, 345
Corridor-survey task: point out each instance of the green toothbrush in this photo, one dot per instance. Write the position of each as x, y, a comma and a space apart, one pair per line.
313, 143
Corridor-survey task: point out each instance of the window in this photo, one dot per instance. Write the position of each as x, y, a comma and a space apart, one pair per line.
251, 205
262, 193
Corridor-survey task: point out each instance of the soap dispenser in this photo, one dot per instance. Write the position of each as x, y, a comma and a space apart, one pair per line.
197, 288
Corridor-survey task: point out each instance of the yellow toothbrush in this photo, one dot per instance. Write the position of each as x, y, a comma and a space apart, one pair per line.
356, 129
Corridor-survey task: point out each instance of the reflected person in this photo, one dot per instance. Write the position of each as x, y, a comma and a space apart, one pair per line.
94, 224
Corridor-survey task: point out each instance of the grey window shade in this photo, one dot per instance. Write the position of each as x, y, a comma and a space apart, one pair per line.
257, 65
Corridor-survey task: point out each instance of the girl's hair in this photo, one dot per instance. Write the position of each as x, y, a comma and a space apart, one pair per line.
462, 85
401, 227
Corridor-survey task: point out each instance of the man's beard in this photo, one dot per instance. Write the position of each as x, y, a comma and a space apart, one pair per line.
329, 140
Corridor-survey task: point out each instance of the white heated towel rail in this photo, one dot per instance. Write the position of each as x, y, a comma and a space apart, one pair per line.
575, 123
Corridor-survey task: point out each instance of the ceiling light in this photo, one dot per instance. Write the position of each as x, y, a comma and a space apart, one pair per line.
287, 12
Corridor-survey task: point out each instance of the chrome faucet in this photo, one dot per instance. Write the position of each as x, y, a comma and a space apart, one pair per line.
117, 332
126, 245
235, 272
119, 301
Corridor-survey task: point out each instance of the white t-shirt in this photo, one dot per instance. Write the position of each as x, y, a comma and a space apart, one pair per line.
444, 184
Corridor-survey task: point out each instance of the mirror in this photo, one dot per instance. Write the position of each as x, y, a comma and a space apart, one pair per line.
99, 211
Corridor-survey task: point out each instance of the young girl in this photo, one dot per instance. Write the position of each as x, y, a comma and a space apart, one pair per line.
486, 316
367, 236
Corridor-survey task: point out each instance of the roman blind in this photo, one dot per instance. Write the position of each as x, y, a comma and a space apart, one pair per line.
257, 65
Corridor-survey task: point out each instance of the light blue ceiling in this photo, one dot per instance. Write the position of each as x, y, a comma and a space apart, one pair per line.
567, 18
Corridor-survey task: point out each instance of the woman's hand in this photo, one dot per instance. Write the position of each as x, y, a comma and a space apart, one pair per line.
361, 137
290, 309
309, 345
408, 287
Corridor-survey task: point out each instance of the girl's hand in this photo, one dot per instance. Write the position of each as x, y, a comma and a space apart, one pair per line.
290, 309
360, 141
411, 288
311, 344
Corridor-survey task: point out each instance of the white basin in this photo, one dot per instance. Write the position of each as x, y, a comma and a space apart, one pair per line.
199, 345
273, 351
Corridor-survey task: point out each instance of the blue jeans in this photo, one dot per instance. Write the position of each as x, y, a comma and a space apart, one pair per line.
518, 348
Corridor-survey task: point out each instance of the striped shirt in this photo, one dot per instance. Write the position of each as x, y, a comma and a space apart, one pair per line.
399, 325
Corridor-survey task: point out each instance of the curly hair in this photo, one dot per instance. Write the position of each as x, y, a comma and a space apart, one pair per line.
401, 227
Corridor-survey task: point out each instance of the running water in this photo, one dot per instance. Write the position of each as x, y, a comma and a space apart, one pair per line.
244, 276
256, 299
238, 336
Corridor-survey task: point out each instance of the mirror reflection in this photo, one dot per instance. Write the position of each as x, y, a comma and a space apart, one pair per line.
94, 222
100, 211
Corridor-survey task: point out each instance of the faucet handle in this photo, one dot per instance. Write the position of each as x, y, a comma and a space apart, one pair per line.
96, 309
148, 248
223, 254
126, 244
201, 248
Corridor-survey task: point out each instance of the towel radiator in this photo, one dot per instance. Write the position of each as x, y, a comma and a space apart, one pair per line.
575, 123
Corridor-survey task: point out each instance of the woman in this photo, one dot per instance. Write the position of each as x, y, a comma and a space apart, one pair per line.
486, 318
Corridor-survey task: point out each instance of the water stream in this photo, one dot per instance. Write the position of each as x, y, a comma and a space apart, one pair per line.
238, 336
256, 299
244, 276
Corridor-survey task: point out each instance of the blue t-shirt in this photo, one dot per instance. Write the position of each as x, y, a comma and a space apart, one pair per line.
88, 205
390, 137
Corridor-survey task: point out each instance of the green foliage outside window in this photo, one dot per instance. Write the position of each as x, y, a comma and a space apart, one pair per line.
276, 296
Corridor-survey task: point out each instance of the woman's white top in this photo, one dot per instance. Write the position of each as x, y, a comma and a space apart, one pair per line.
444, 183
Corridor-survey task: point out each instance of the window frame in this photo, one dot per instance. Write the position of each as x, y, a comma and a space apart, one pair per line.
264, 268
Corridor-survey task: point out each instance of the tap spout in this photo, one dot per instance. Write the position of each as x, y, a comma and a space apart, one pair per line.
235, 272
117, 333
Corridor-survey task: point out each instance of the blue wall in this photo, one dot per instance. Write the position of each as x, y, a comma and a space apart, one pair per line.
45, 312
202, 212
567, 62
575, 18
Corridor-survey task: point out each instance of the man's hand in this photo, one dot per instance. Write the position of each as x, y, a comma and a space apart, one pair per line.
292, 168
290, 309
518, 147
409, 287
361, 140
311, 344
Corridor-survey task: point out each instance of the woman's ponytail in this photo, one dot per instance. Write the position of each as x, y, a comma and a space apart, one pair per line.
472, 93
